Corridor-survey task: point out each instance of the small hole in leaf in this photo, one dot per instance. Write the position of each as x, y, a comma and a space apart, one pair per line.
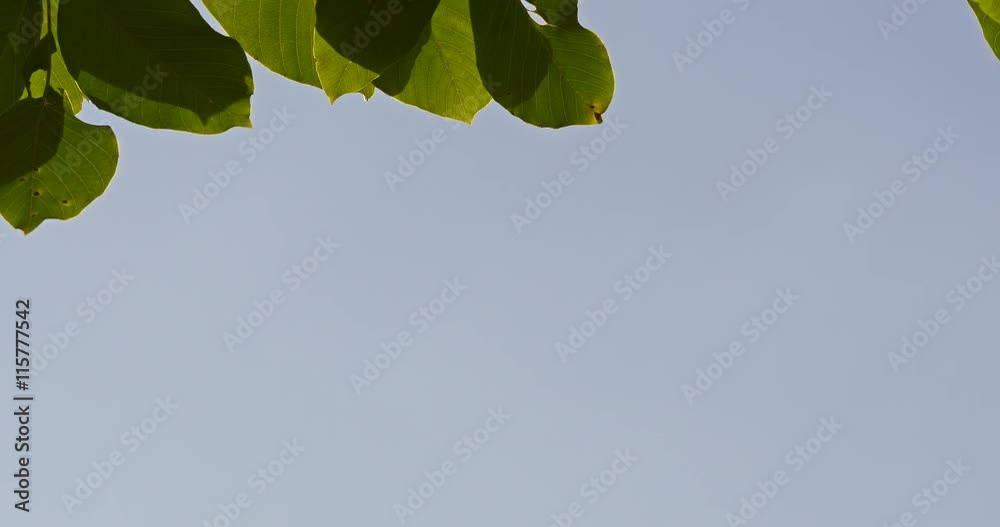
599, 117
65, 202
36, 193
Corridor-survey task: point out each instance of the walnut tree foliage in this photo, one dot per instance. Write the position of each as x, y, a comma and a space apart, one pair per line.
159, 64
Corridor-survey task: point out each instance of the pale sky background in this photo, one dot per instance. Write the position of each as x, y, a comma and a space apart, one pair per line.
494, 347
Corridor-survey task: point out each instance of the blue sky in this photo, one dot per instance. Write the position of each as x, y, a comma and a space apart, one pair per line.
462, 309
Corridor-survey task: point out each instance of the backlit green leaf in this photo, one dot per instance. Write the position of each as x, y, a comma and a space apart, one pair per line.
61, 79
373, 33
554, 75
46, 65
990, 7
156, 63
439, 74
368, 91
338, 75
987, 11
278, 33
20, 30
54, 165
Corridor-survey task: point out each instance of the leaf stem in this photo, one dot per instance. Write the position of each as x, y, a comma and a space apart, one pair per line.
48, 21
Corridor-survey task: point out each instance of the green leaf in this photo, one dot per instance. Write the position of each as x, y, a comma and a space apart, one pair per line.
338, 75
20, 31
39, 60
439, 74
373, 33
156, 63
558, 12
368, 91
990, 7
54, 164
61, 79
552, 76
988, 11
45, 65
278, 33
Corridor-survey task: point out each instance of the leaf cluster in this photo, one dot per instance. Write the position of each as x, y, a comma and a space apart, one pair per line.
159, 64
